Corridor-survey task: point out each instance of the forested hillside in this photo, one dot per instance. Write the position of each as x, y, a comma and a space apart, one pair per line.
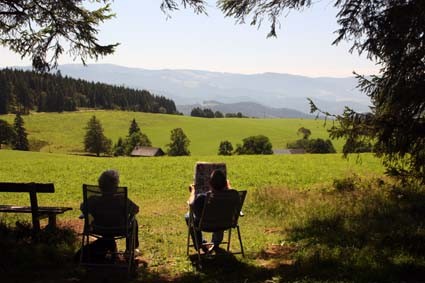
22, 91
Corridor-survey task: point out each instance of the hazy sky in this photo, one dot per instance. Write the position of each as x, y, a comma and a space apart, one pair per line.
188, 41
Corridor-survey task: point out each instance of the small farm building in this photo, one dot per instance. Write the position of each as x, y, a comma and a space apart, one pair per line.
289, 151
147, 151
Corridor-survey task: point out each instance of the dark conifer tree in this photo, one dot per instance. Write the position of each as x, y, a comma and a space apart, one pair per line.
94, 140
20, 141
134, 128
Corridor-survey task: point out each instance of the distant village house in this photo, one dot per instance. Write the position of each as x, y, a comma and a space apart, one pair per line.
289, 151
147, 151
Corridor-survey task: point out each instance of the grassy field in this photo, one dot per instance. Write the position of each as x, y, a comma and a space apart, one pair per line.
166, 178
309, 218
65, 131
159, 187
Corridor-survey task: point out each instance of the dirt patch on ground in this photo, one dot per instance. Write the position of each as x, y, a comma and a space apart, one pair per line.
272, 230
277, 255
74, 224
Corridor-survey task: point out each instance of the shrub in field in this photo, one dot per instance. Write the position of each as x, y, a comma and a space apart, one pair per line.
320, 146
313, 145
94, 140
179, 143
119, 148
255, 145
225, 148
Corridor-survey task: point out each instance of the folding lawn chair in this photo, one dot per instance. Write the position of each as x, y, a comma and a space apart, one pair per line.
221, 212
106, 218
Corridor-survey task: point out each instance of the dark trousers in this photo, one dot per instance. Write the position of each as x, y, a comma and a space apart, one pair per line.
217, 237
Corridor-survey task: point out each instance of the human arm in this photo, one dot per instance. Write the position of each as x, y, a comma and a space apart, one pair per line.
82, 211
132, 207
192, 194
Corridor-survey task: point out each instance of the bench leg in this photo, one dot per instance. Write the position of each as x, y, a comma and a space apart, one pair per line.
36, 223
52, 221
34, 209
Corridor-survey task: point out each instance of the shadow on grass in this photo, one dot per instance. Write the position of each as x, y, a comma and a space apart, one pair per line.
367, 234
223, 267
28, 258
50, 256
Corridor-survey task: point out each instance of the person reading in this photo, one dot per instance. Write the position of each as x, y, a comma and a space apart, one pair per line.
218, 185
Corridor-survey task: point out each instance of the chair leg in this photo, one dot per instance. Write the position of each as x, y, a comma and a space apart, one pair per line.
131, 260
240, 241
198, 249
228, 239
85, 242
188, 240
82, 250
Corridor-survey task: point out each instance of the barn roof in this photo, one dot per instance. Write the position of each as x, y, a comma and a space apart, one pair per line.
147, 151
289, 151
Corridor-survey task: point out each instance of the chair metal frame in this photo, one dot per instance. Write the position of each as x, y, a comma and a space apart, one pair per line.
203, 227
127, 231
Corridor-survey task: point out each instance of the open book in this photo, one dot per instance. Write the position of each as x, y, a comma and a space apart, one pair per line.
203, 172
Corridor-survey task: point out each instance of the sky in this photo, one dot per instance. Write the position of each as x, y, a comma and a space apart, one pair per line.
188, 41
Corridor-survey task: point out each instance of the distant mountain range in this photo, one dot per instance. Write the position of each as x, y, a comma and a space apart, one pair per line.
268, 89
250, 109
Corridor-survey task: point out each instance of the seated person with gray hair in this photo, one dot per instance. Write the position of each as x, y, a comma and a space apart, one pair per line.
102, 208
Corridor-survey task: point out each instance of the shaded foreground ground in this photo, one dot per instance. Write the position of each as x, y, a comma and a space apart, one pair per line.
356, 231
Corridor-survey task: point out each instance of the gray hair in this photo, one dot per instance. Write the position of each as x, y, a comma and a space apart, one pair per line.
109, 180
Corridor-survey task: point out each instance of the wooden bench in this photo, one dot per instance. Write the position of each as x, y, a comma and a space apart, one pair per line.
38, 212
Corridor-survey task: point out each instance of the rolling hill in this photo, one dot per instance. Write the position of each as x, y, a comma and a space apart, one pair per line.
193, 86
250, 109
64, 132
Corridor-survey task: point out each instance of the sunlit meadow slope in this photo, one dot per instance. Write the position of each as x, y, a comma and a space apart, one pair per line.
153, 181
159, 187
65, 131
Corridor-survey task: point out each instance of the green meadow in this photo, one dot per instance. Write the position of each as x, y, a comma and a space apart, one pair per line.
308, 218
153, 180
65, 131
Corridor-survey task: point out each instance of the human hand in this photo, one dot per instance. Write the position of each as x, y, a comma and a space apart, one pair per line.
191, 187
228, 184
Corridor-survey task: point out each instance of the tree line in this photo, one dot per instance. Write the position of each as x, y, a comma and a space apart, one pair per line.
261, 144
23, 91
96, 142
208, 113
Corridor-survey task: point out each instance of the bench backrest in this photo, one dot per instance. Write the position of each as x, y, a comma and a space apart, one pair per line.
27, 187
32, 189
